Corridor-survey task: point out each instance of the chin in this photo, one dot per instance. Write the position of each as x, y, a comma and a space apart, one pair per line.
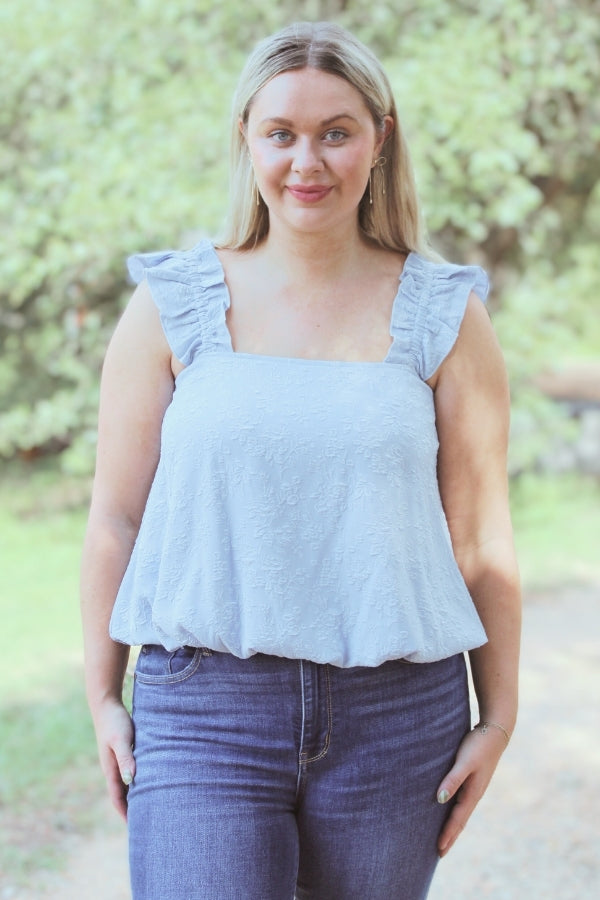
317, 221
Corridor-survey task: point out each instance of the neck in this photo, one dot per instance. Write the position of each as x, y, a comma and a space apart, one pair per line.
315, 255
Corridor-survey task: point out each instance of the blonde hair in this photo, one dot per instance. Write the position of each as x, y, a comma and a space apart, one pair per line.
393, 220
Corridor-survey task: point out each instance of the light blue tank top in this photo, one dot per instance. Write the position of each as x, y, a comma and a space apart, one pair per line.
295, 509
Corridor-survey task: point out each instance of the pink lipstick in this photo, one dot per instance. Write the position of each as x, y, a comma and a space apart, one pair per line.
308, 193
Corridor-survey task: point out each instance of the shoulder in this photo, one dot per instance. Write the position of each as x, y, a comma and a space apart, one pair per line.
187, 288
475, 359
389, 262
177, 267
435, 297
445, 281
236, 263
139, 337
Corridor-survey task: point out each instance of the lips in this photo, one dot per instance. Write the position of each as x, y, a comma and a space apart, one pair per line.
308, 193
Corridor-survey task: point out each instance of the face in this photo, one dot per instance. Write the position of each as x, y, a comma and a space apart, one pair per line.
312, 142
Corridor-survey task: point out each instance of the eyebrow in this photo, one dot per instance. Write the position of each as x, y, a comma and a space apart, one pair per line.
277, 120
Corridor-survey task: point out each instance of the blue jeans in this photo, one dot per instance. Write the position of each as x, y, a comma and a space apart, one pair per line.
269, 778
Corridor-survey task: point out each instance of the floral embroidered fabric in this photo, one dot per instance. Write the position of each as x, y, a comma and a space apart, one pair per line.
295, 508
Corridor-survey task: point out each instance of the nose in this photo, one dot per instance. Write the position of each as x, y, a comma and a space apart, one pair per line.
307, 157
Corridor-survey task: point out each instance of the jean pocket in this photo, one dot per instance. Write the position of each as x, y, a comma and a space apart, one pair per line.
155, 665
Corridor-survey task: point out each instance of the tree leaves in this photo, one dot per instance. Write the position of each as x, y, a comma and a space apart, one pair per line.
114, 128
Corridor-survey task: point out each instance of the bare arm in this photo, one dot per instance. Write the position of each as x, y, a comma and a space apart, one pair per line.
472, 415
137, 386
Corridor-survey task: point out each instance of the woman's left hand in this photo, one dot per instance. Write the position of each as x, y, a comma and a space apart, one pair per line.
467, 781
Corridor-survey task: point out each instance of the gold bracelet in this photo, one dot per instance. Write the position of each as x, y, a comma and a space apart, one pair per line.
483, 727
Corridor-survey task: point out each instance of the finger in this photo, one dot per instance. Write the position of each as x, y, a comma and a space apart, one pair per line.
119, 770
119, 776
126, 766
117, 792
123, 765
452, 783
123, 755
467, 799
453, 828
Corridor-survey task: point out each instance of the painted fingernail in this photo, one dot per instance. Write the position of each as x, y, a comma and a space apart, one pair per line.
443, 797
126, 777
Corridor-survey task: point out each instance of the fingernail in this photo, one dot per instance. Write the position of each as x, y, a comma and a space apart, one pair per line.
126, 776
443, 797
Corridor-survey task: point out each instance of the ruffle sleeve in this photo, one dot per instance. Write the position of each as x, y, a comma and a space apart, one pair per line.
189, 291
429, 310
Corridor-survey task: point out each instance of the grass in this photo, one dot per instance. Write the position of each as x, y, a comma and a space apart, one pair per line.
557, 523
47, 751
49, 778
39, 560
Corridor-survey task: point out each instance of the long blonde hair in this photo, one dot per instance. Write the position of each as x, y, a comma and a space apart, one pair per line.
393, 220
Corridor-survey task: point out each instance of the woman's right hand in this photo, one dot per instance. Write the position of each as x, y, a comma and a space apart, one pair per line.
114, 734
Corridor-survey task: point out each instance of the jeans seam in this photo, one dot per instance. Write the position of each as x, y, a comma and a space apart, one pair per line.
178, 677
300, 760
323, 752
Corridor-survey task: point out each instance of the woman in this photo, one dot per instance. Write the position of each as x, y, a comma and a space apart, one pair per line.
273, 522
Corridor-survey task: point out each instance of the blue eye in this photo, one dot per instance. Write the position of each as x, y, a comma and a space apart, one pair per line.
280, 137
336, 134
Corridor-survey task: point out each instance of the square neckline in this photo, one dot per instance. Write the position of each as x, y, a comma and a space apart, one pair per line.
304, 359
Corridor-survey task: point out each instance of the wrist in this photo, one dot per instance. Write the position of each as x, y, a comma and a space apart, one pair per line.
99, 702
105, 677
503, 712
486, 725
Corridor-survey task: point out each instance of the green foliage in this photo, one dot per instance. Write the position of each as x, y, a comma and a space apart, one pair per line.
114, 127
556, 520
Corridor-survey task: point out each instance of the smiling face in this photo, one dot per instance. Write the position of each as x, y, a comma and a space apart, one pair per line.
312, 142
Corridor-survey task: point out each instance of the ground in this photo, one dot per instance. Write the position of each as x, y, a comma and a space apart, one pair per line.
535, 835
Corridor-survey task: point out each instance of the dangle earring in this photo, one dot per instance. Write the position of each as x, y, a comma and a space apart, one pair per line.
377, 164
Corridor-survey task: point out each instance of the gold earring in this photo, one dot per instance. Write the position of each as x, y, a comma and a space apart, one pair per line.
379, 163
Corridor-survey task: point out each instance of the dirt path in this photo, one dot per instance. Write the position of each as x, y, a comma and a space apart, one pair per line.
536, 835
95, 869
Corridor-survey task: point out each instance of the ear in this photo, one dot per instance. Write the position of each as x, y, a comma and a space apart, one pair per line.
388, 127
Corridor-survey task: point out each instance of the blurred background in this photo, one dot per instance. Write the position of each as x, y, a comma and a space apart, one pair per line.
114, 122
